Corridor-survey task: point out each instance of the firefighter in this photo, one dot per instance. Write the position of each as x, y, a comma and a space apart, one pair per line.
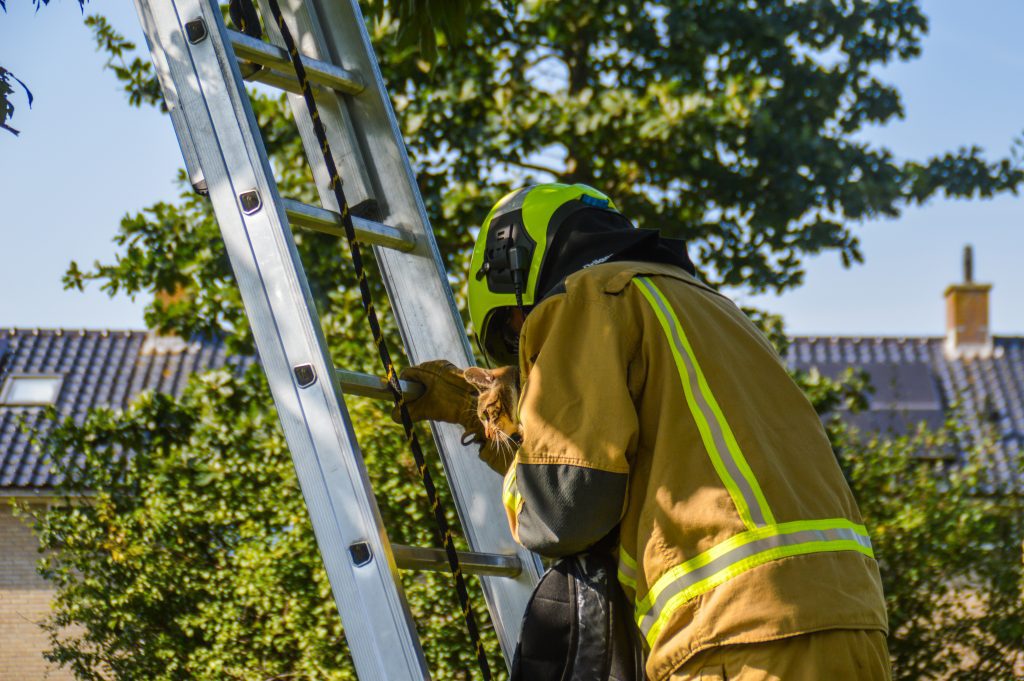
652, 410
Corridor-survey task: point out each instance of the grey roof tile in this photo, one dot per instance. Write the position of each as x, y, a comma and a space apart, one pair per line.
99, 368
914, 381
989, 391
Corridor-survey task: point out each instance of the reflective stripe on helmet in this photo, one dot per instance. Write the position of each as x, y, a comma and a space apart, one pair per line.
739, 554
512, 201
715, 432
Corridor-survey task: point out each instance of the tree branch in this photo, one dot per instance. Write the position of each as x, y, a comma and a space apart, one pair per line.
534, 166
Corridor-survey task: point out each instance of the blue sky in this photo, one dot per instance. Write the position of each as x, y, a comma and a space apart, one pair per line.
84, 159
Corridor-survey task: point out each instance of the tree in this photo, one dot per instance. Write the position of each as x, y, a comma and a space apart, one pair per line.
949, 549
950, 555
947, 537
729, 123
195, 559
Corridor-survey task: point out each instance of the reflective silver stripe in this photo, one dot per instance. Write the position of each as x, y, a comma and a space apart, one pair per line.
745, 556
749, 504
513, 201
627, 569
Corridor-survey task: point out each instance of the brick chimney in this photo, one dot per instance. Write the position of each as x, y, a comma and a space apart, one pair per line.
967, 332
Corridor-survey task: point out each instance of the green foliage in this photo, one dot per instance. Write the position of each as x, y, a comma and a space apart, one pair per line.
176, 249
728, 123
137, 75
420, 21
194, 558
848, 393
6, 105
950, 557
949, 550
732, 124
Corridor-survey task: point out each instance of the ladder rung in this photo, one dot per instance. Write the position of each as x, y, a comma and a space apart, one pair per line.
329, 222
417, 558
366, 385
278, 68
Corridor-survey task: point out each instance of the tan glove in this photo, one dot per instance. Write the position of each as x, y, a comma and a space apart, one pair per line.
447, 396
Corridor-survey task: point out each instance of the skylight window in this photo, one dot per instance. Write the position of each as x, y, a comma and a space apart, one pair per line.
30, 390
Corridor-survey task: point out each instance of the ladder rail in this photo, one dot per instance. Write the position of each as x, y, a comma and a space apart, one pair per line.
416, 281
178, 119
199, 70
342, 508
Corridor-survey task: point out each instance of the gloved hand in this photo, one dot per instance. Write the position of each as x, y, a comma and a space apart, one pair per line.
447, 396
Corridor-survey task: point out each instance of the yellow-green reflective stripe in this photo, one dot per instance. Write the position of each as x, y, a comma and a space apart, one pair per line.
627, 569
739, 554
510, 496
735, 542
715, 432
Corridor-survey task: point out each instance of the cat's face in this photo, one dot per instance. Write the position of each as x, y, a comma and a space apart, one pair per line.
497, 401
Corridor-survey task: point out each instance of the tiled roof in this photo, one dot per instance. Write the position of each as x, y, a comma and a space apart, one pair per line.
915, 381
99, 368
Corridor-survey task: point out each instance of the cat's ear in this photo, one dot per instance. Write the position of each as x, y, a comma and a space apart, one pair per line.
478, 378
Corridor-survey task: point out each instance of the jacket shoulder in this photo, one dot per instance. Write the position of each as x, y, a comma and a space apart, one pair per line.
612, 278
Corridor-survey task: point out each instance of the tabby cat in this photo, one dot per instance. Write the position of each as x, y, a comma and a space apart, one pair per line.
497, 404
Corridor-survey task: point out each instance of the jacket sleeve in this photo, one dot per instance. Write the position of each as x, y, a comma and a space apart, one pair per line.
567, 487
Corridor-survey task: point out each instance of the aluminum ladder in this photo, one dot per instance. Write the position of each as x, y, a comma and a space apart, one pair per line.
200, 65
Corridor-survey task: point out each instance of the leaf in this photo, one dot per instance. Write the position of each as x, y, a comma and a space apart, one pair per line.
6, 105
28, 92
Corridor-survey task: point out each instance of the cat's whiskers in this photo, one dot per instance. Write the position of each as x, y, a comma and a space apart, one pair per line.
495, 409
506, 445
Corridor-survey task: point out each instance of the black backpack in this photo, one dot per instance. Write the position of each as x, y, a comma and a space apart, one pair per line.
579, 626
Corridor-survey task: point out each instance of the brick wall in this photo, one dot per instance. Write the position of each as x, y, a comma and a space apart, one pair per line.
24, 602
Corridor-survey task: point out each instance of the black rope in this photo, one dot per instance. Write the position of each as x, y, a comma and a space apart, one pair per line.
443, 530
244, 17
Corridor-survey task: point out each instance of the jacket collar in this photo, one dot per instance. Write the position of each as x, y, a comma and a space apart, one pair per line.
618, 275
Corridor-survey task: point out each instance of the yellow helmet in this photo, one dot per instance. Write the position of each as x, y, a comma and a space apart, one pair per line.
509, 252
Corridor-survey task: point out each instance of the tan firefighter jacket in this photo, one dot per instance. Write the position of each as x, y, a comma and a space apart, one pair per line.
651, 402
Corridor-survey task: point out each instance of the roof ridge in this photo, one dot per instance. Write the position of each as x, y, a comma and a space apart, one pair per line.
60, 330
896, 337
